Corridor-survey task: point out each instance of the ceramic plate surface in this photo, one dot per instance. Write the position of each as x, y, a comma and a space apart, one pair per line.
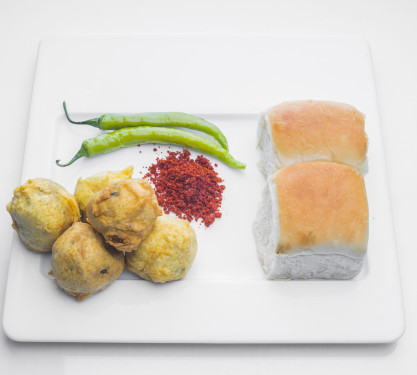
225, 298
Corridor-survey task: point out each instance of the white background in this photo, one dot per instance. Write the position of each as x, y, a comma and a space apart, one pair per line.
391, 29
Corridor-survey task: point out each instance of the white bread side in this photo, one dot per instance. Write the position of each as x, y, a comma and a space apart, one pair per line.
328, 241
266, 228
268, 160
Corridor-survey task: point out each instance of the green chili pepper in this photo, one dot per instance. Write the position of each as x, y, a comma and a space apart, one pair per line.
114, 121
126, 137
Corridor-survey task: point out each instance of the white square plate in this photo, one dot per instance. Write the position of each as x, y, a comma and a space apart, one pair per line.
225, 297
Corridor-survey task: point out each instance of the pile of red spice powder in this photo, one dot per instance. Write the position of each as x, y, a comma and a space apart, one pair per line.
191, 189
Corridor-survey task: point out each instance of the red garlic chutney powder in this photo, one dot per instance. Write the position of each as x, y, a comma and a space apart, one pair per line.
191, 189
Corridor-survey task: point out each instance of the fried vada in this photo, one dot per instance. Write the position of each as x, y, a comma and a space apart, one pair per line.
82, 263
41, 211
124, 213
167, 253
87, 187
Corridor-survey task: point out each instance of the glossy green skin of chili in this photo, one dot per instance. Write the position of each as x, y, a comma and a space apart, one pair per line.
176, 119
114, 121
126, 137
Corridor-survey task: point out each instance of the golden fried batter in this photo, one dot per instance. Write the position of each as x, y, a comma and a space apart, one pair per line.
82, 263
167, 253
124, 213
87, 187
41, 210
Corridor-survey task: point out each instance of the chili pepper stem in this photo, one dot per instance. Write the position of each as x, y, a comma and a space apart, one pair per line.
81, 153
93, 122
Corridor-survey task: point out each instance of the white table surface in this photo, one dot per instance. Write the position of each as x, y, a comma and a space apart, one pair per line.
391, 29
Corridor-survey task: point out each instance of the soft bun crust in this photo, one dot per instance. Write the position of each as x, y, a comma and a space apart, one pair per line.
321, 205
318, 130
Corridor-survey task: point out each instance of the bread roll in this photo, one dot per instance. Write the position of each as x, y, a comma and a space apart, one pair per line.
299, 131
313, 222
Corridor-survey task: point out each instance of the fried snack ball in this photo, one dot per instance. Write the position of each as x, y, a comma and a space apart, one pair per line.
41, 211
82, 263
124, 213
87, 187
167, 253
